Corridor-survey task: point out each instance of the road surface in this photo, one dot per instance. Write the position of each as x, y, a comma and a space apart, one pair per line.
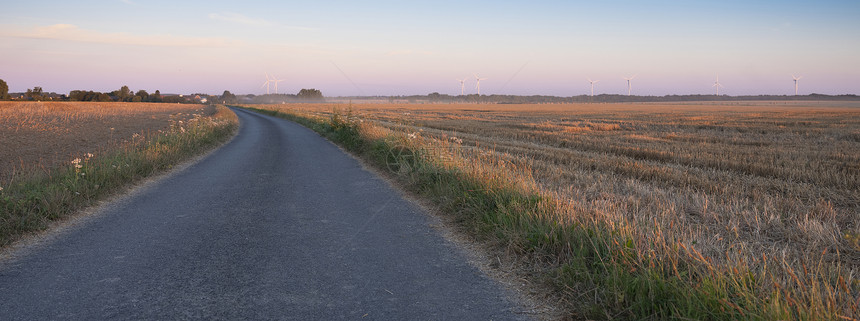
277, 224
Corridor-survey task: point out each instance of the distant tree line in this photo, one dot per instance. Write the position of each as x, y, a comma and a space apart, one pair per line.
80, 95
123, 94
303, 96
310, 95
604, 98
38, 94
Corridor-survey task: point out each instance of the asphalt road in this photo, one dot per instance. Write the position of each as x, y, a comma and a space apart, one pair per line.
277, 224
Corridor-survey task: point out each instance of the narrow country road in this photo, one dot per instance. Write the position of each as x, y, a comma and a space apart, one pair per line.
277, 224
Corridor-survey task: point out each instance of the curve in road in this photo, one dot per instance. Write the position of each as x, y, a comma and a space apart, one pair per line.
277, 224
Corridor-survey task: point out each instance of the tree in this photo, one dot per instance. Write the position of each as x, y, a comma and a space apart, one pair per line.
310, 94
156, 97
228, 98
34, 94
82, 95
434, 96
173, 99
144, 96
4, 90
123, 94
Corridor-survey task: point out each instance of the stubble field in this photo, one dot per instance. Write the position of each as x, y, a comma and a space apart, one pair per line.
60, 157
755, 203
39, 136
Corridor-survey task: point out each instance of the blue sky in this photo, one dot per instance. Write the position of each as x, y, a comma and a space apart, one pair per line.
418, 47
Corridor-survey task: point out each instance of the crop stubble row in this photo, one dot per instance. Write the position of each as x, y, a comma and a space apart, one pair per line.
744, 185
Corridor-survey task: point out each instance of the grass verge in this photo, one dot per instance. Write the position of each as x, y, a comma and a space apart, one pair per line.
30, 203
601, 271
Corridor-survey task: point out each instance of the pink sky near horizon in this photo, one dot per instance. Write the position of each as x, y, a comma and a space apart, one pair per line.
547, 48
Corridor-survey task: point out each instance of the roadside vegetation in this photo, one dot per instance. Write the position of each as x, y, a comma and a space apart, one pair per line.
687, 212
34, 196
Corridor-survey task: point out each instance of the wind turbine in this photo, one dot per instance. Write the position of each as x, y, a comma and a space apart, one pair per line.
478, 83
628, 83
266, 84
462, 86
276, 81
592, 82
795, 83
718, 85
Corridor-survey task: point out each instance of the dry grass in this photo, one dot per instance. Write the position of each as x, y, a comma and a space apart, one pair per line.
760, 202
44, 135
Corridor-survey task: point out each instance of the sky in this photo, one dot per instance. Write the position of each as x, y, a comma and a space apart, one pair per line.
346, 48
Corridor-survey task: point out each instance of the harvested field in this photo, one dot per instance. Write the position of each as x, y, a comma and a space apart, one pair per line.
43, 135
760, 201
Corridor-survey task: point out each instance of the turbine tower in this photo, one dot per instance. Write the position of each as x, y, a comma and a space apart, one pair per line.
478, 83
276, 81
462, 86
795, 83
592, 82
718, 85
628, 83
266, 84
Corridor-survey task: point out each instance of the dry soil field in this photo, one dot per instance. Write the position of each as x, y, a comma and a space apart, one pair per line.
42, 135
760, 193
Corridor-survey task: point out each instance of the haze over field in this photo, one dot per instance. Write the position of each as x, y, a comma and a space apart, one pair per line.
417, 47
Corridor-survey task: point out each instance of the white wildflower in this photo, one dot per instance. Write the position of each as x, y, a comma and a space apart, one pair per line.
90, 155
413, 135
1, 188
